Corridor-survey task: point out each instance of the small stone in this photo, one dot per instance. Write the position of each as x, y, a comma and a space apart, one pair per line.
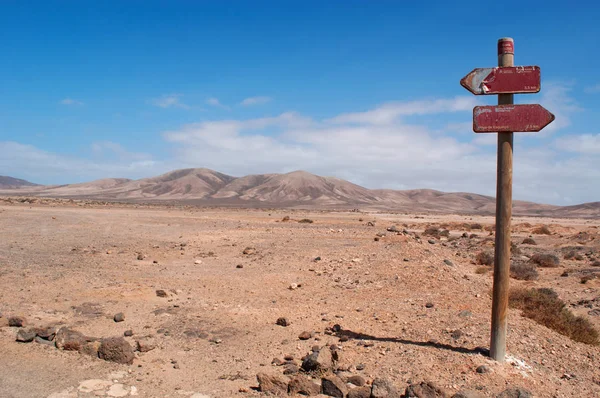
465, 314
239, 266
305, 335
249, 250
431, 241
357, 380
429, 305
317, 259
16, 321
282, 321
383, 388
290, 369
448, 262
277, 362
40, 340
288, 357
116, 349
118, 390
46, 333
424, 390
515, 393
176, 366
360, 366
25, 336
140, 256
318, 360
406, 260
360, 392
128, 333
483, 369
333, 386
468, 394
293, 286
457, 334
272, 383
301, 384
161, 293
120, 317
198, 262
145, 344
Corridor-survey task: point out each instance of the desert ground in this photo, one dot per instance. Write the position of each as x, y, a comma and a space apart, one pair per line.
201, 291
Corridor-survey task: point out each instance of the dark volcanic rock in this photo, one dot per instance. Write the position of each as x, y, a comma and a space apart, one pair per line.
272, 383
305, 335
116, 349
301, 384
71, 340
318, 360
46, 333
16, 321
360, 392
161, 293
424, 390
333, 386
357, 380
120, 317
25, 335
383, 388
515, 393
283, 322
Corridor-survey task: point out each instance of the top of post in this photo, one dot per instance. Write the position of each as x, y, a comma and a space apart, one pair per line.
506, 45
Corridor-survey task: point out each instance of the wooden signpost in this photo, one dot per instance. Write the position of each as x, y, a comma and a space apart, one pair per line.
505, 118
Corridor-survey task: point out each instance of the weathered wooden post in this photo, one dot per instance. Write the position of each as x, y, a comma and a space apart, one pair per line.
506, 118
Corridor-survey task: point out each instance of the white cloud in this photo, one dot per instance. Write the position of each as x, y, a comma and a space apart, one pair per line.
42, 166
557, 99
389, 112
70, 101
255, 101
588, 144
169, 101
216, 103
375, 149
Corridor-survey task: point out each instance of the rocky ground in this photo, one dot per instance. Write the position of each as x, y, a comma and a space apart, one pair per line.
187, 302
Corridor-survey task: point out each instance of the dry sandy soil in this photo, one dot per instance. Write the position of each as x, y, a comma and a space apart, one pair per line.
411, 315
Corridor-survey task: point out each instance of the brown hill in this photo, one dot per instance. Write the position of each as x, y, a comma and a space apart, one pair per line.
7, 182
295, 189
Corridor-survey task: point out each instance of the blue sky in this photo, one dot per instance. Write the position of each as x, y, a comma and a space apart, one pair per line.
366, 91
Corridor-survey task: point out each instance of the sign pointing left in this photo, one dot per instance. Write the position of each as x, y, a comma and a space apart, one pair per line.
503, 80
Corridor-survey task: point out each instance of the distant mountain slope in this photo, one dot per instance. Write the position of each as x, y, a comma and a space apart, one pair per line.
7, 182
295, 189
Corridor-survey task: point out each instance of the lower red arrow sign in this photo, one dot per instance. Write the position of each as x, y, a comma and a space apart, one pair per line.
510, 118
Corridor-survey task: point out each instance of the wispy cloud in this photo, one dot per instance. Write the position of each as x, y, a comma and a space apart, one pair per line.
255, 101
216, 103
70, 101
169, 101
556, 97
588, 144
391, 111
592, 89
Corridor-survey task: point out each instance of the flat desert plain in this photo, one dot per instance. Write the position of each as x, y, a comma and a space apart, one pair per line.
200, 291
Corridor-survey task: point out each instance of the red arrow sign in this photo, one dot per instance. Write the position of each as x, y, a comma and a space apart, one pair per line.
506, 80
510, 118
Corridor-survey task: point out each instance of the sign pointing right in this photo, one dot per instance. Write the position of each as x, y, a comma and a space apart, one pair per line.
512, 118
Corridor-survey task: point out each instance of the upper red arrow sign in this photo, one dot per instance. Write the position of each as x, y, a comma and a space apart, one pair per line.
505, 118
503, 80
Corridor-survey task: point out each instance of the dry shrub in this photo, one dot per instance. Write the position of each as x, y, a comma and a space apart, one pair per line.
490, 228
524, 272
544, 307
476, 226
445, 232
545, 260
286, 218
542, 230
306, 221
515, 249
529, 241
482, 270
484, 258
596, 263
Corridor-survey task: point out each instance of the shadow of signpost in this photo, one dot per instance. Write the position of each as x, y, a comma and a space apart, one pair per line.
433, 344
